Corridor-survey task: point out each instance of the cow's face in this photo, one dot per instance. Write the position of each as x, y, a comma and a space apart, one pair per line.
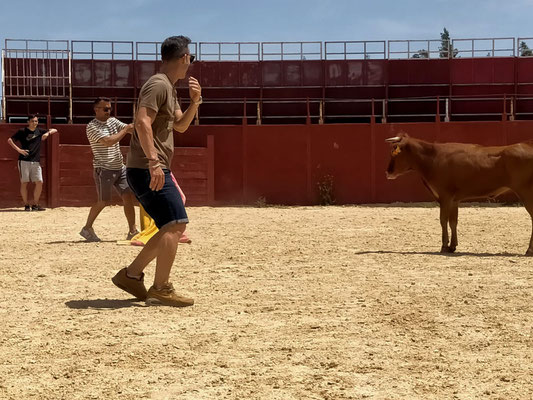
400, 161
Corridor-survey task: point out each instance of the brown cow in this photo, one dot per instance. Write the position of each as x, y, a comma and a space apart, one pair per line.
455, 171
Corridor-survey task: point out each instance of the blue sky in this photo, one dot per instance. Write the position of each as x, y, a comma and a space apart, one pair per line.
273, 20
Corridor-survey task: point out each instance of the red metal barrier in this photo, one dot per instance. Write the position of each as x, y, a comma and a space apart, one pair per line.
283, 164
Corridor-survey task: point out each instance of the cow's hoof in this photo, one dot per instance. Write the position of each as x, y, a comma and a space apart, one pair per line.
529, 253
446, 249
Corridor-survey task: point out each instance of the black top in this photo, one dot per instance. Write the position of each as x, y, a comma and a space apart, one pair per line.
30, 141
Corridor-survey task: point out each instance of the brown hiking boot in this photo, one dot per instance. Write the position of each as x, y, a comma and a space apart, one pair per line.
166, 296
131, 285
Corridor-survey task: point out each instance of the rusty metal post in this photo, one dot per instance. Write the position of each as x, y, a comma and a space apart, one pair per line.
244, 117
258, 121
504, 112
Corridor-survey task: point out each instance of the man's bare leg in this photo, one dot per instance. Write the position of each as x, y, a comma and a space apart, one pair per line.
24, 192
37, 192
129, 211
95, 210
162, 245
168, 246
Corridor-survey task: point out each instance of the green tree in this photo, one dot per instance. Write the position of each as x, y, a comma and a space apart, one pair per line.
446, 48
524, 49
421, 54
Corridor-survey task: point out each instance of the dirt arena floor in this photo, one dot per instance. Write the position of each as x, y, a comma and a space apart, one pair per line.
291, 303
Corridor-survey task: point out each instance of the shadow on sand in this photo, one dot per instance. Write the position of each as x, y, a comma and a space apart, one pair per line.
82, 241
103, 304
438, 253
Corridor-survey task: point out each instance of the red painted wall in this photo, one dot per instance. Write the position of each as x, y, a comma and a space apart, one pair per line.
281, 163
392, 79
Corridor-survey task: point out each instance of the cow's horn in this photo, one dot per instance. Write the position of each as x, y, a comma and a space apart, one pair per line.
394, 139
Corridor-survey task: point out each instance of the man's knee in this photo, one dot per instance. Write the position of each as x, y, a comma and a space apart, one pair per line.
175, 230
102, 203
128, 197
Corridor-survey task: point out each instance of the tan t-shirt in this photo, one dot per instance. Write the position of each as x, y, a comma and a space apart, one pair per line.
157, 94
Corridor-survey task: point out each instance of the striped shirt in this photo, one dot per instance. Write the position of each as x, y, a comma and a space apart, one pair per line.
106, 157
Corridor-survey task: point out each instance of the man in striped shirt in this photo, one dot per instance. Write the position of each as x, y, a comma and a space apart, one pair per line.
104, 133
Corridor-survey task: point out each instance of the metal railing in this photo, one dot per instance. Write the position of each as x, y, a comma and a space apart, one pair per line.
259, 51
34, 44
228, 51
151, 51
356, 49
525, 50
32, 73
486, 47
422, 49
291, 51
102, 49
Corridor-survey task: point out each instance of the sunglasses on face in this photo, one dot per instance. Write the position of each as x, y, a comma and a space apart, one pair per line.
191, 57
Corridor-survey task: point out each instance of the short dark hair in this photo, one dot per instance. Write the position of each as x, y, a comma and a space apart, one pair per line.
174, 47
99, 99
32, 116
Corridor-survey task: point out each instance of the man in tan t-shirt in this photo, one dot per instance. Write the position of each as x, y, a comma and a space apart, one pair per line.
149, 176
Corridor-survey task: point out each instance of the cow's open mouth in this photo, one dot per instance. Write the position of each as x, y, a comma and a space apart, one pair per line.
391, 175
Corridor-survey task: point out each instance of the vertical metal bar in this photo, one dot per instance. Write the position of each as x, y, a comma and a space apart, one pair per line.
473, 48
50, 76
24, 73
344, 50
258, 120
493, 44
57, 72
3, 116
70, 89
63, 74
447, 115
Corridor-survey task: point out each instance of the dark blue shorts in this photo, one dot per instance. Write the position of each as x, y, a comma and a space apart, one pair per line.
164, 206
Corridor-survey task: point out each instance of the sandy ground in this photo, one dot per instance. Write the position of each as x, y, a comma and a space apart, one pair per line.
291, 303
